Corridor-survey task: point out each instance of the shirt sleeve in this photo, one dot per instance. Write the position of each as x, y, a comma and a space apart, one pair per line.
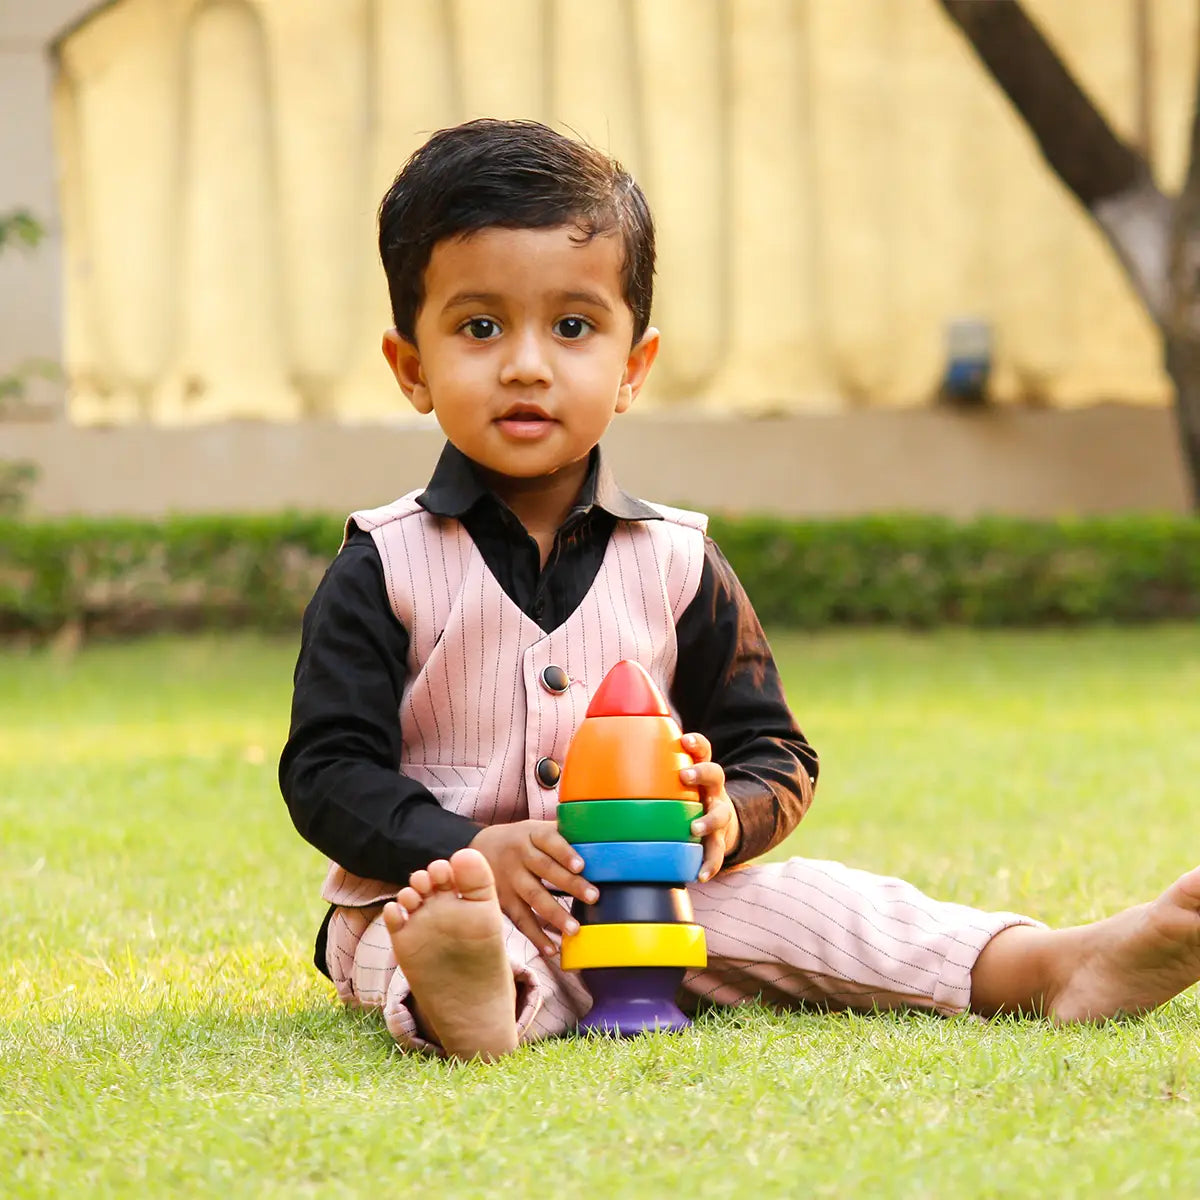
339, 771
727, 687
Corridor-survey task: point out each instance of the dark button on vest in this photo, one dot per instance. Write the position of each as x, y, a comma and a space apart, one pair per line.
547, 772
555, 680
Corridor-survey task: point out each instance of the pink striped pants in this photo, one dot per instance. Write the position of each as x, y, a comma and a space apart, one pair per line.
786, 932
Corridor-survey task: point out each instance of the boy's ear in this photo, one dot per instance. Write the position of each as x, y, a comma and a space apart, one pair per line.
637, 367
405, 361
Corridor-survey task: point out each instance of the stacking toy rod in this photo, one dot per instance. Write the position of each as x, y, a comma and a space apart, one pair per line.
628, 815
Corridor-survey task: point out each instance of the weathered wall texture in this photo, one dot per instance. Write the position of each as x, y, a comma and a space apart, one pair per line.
30, 281
832, 182
1102, 459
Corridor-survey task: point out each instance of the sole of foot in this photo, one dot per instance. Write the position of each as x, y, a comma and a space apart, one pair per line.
1135, 961
447, 934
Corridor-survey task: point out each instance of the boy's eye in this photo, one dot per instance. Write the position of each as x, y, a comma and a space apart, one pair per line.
481, 328
571, 327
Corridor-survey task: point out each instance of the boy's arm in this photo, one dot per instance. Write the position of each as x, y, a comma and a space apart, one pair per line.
339, 771
727, 687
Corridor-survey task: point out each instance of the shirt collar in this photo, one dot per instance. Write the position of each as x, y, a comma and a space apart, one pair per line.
455, 488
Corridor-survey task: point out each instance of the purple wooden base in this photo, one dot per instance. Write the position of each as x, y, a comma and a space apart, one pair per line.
627, 1001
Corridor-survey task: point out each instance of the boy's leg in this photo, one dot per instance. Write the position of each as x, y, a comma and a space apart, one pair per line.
362, 961
447, 934
835, 936
823, 932
1128, 963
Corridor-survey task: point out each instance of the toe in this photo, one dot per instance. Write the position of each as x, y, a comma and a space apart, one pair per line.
420, 882
394, 916
472, 875
409, 899
441, 875
1187, 889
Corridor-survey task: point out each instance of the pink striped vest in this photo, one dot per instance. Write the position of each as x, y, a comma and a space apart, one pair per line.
478, 714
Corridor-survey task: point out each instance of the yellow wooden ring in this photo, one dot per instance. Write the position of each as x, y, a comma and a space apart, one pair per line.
642, 945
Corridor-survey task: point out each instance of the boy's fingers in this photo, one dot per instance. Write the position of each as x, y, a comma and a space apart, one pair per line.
522, 916
698, 746
550, 842
547, 910
718, 815
544, 867
714, 856
709, 777
711, 827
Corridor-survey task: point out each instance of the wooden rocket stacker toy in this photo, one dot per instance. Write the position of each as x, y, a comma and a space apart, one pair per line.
624, 809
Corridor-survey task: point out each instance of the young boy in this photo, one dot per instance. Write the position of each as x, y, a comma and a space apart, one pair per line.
453, 646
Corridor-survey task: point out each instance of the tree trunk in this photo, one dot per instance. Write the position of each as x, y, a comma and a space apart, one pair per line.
1156, 237
1180, 323
1182, 361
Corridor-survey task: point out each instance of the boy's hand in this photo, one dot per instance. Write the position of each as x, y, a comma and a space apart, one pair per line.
719, 825
523, 854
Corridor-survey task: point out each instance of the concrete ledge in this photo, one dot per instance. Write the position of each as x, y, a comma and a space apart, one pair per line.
1107, 458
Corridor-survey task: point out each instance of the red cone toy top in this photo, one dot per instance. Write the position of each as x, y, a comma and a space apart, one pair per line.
628, 691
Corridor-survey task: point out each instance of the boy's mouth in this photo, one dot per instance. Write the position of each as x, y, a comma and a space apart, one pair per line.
525, 421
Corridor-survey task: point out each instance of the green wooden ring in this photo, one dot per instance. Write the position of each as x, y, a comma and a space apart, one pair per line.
629, 820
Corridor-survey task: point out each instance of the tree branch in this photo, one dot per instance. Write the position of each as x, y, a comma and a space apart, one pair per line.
1074, 138
1108, 177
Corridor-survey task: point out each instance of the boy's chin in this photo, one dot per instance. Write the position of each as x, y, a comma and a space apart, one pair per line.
531, 471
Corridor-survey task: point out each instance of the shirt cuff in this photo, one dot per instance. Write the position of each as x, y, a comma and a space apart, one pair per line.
445, 832
761, 816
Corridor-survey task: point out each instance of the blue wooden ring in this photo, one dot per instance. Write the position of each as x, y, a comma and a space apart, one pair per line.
640, 862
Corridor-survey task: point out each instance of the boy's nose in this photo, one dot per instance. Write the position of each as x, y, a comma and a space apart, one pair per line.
526, 361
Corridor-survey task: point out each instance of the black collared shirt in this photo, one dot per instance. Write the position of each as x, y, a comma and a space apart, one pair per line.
340, 771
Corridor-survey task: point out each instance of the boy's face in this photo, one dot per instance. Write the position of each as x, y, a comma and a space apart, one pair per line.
523, 348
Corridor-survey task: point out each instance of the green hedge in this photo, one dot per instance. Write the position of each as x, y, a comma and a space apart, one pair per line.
120, 575
915, 570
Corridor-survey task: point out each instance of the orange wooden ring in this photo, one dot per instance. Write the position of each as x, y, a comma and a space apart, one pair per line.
619, 758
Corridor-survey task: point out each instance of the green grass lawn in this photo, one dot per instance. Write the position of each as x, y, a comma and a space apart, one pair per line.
162, 1029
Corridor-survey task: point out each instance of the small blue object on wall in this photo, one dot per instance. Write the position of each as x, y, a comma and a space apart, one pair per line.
968, 361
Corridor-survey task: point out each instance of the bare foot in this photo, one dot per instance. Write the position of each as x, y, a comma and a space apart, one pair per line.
447, 937
1134, 961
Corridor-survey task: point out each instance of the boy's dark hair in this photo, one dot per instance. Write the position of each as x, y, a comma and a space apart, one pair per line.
515, 175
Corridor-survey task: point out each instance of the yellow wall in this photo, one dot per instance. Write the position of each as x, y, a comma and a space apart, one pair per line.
833, 181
